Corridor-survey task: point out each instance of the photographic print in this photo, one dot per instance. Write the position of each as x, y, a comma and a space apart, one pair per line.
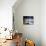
28, 20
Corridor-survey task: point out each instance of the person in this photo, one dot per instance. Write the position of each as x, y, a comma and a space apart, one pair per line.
18, 40
29, 43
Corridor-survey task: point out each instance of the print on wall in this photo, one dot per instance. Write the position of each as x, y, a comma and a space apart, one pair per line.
28, 20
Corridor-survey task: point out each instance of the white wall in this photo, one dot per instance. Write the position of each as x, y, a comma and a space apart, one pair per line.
43, 22
6, 13
29, 8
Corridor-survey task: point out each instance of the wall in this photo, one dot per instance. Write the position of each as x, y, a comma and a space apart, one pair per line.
6, 13
28, 8
43, 22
